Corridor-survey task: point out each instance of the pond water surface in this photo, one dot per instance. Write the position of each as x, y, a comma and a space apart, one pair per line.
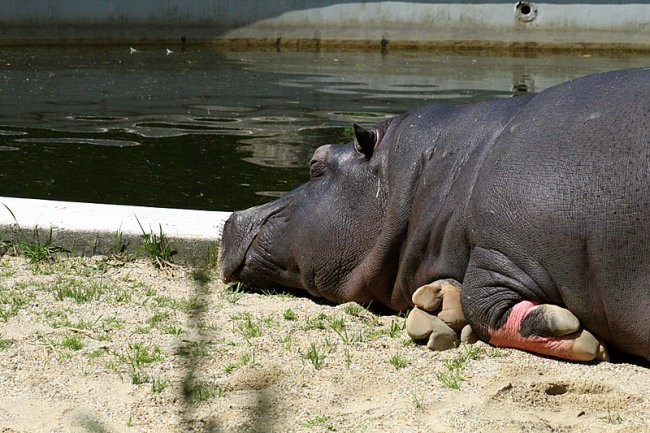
222, 130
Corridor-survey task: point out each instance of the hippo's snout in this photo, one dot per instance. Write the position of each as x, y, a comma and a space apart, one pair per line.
233, 246
238, 234
245, 257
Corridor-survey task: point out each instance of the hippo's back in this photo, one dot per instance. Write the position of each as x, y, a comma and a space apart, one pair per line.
565, 194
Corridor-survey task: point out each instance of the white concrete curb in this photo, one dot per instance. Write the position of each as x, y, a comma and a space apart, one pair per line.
90, 228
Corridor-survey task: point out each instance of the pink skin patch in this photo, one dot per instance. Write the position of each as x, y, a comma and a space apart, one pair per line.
508, 335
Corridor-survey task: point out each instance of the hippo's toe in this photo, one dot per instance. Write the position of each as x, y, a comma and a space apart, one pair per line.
442, 297
587, 347
420, 325
550, 320
467, 335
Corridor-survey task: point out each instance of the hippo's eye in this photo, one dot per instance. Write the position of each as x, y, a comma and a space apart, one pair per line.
316, 168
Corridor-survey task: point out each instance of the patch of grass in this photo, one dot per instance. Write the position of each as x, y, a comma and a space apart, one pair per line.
12, 301
315, 421
156, 246
287, 341
201, 275
139, 376
142, 330
277, 292
184, 305
289, 314
121, 296
78, 290
159, 385
409, 342
269, 322
173, 330
37, 250
194, 349
417, 400
5, 343
112, 323
318, 322
72, 342
158, 318
353, 309
348, 358
64, 322
6, 273
139, 353
314, 355
57, 318
244, 359
338, 325
396, 329
613, 418
398, 361
100, 266
473, 352
118, 246
201, 391
97, 353
233, 293
246, 326
453, 374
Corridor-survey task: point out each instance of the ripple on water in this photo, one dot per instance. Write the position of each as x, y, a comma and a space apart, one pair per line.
164, 131
222, 108
93, 141
90, 118
5, 132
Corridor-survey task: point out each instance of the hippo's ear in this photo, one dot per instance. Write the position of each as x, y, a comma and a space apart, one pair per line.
365, 140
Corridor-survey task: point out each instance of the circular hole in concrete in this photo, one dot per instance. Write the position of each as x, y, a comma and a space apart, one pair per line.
525, 11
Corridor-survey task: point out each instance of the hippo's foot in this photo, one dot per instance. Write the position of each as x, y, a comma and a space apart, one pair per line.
442, 298
548, 330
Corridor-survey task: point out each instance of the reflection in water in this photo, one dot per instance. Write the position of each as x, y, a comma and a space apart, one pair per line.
94, 141
221, 130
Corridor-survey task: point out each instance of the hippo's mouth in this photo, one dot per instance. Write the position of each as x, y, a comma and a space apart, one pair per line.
255, 269
245, 257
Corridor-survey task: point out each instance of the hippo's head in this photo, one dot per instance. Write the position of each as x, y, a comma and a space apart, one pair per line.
318, 236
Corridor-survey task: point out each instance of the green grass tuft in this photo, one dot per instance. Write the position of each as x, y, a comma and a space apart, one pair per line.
12, 301
398, 361
246, 326
5, 343
140, 353
78, 290
156, 246
159, 385
72, 342
233, 293
289, 314
314, 355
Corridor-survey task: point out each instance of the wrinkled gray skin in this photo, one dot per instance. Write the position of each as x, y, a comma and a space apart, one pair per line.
543, 198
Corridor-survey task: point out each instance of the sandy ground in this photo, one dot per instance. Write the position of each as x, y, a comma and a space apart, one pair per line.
102, 345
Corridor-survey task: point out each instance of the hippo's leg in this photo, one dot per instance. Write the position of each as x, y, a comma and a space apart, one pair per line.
443, 298
504, 306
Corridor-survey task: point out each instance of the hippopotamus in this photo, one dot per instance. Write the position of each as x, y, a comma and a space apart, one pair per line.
523, 220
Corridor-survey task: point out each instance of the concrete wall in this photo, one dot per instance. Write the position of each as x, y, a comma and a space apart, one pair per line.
620, 24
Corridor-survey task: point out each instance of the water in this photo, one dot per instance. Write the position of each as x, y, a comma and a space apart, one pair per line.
222, 130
